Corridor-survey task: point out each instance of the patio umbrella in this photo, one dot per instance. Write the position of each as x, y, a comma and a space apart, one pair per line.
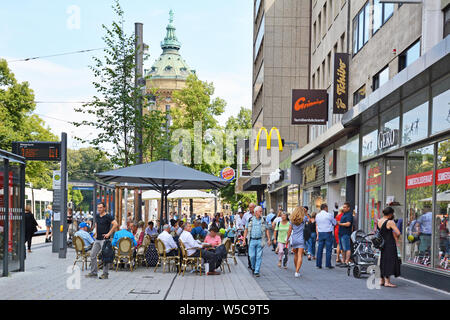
165, 176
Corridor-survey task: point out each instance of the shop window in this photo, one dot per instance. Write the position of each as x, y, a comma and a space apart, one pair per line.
361, 28
352, 155
415, 117
390, 127
441, 106
373, 195
442, 235
381, 13
419, 191
446, 21
293, 197
394, 173
380, 78
409, 56
359, 95
369, 140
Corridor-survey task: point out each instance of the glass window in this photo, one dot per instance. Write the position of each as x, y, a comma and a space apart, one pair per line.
415, 117
390, 129
369, 134
446, 21
395, 193
352, 155
419, 191
441, 106
292, 200
259, 37
259, 81
381, 78
359, 95
373, 195
361, 28
377, 15
409, 56
442, 207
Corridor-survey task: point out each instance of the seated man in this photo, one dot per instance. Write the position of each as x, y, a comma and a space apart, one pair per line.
198, 231
150, 230
193, 248
83, 234
169, 243
123, 233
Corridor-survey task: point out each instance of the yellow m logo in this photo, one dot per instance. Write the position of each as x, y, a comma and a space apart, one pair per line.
269, 136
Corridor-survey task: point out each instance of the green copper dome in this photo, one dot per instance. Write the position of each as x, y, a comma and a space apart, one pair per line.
170, 65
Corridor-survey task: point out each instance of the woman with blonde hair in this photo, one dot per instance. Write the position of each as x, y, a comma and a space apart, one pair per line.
298, 219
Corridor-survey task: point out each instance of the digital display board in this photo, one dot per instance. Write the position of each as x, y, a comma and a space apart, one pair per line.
42, 151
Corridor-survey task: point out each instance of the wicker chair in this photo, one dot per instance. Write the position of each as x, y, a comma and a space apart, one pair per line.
227, 244
141, 250
124, 251
162, 257
195, 262
82, 255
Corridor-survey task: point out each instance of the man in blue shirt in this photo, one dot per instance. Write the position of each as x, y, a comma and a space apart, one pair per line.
206, 219
345, 230
198, 231
269, 220
83, 234
123, 233
424, 228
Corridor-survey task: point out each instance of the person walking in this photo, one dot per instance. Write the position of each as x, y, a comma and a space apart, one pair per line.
281, 238
104, 226
345, 230
48, 223
296, 229
255, 234
245, 218
311, 243
30, 226
338, 217
269, 219
389, 261
324, 225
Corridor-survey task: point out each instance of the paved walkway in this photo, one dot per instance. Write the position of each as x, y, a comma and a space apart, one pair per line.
46, 278
325, 284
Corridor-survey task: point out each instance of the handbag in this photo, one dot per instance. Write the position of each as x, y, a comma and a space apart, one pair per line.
306, 232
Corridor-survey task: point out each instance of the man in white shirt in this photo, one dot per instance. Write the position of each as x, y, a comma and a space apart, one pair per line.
325, 223
245, 218
240, 225
193, 249
169, 243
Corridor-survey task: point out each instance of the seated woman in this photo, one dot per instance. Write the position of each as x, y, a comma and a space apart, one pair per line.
213, 238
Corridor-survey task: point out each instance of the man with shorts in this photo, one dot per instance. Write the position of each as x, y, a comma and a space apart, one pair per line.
345, 230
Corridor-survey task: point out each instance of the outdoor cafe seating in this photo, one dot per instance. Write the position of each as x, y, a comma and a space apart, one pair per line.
164, 258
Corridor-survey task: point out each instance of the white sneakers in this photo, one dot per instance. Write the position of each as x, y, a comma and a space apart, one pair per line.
297, 275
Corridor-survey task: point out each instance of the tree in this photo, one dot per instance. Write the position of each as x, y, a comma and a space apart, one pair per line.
75, 196
241, 122
19, 124
114, 108
195, 104
82, 164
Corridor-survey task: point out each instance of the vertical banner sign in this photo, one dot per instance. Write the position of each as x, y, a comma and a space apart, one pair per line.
309, 107
340, 99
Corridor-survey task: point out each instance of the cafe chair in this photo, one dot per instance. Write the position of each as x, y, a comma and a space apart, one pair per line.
163, 258
227, 244
140, 251
82, 254
194, 262
124, 252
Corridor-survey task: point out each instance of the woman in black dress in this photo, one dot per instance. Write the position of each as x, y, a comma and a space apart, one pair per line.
389, 262
30, 226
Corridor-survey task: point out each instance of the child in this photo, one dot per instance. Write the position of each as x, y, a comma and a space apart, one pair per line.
231, 231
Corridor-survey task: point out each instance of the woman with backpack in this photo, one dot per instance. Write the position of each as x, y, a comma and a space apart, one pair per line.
389, 261
298, 221
281, 238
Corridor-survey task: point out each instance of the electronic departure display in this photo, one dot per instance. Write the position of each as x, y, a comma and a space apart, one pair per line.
42, 151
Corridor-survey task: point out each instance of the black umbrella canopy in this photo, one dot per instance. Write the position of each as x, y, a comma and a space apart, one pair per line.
164, 174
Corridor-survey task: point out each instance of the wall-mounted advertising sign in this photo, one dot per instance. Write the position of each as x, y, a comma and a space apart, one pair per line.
387, 139
310, 174
418, 180
309, 107
227, 173
341, 69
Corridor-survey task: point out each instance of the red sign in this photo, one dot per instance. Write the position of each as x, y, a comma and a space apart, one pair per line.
418, 180
227, 173
443, 176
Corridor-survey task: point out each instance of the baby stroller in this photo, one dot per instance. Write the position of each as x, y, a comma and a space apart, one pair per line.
241, 247
363, 253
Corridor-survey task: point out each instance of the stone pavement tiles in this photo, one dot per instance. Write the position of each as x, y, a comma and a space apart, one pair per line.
325, 284
47, 278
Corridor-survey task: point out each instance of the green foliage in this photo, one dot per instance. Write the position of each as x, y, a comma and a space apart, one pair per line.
19, 124
114, 107
75, 196
82, 164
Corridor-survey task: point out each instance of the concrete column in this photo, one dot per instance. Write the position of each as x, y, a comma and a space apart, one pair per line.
432, 24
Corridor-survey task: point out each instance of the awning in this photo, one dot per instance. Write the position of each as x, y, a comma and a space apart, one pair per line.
254, 184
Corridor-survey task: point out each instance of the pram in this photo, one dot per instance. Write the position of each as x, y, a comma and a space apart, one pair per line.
363, 253
241, 247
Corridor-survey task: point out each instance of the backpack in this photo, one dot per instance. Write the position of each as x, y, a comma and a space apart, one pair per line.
377, 239
107, 252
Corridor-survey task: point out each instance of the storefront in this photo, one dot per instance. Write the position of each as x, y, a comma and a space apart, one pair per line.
12, 226
405, 149
314, 190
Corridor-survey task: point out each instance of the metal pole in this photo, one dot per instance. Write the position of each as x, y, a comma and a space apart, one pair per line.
161, 208
139, 82
22, 214
94, 203
6, 216
63, 236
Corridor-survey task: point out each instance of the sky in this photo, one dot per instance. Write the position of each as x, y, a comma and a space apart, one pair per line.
216, 39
